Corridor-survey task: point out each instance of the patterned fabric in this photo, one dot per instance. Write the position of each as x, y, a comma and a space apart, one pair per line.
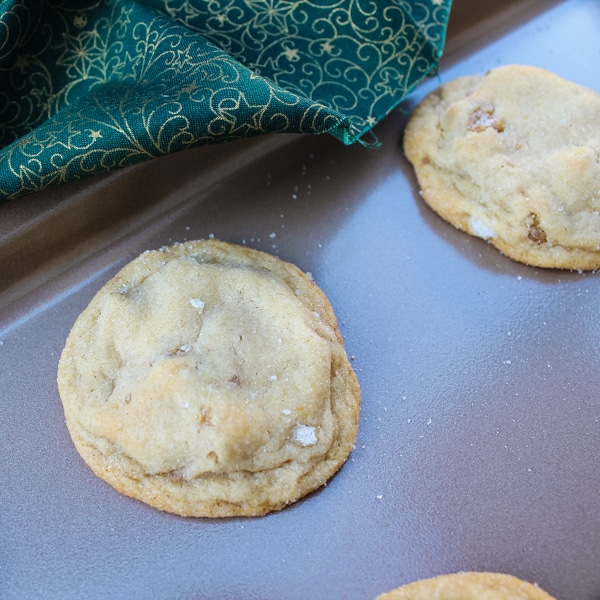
92, 85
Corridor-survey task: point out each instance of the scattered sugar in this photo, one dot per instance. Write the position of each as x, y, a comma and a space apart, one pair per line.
272, 235
273, 378
380, 496
197, 304
305, 435
286, 411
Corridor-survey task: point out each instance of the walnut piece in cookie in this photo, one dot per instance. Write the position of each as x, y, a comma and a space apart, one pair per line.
513, 157
210, 379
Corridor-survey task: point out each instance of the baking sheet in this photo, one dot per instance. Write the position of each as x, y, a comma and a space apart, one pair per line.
480, 430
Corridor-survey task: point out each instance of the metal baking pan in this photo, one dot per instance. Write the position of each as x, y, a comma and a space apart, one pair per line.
480, 430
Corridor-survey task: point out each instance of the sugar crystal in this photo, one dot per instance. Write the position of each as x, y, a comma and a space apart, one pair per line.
197, 304
305, 435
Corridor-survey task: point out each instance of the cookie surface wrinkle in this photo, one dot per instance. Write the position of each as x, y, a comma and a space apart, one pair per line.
513, 157
468, 586
209, 379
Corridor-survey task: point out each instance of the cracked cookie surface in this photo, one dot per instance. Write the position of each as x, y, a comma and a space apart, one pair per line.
513, 157
209, 379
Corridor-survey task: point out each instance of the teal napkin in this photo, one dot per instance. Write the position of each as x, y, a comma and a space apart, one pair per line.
88, 86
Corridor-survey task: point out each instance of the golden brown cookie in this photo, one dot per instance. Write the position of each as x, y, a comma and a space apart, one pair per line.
468, 586
210, 379
513, 157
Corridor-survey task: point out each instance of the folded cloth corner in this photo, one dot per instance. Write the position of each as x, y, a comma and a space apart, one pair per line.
92, 86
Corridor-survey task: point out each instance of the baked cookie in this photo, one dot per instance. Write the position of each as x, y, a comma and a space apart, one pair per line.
513, 157
209, 379
468, 586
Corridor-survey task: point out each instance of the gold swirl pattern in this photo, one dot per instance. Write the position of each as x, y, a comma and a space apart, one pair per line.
90, 85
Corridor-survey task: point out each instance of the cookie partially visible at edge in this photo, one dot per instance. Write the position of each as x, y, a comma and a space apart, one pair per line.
513, 157
468, 586
210, 379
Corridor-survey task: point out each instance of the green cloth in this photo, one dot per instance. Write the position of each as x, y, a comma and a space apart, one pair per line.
91, 85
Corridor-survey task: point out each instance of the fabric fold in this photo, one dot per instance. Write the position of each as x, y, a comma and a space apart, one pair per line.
92, 86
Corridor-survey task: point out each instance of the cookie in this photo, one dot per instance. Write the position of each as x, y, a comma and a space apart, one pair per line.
468, 586
209, 379
513, 157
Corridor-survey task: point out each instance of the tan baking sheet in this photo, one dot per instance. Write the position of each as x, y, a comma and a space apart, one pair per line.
480, 432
